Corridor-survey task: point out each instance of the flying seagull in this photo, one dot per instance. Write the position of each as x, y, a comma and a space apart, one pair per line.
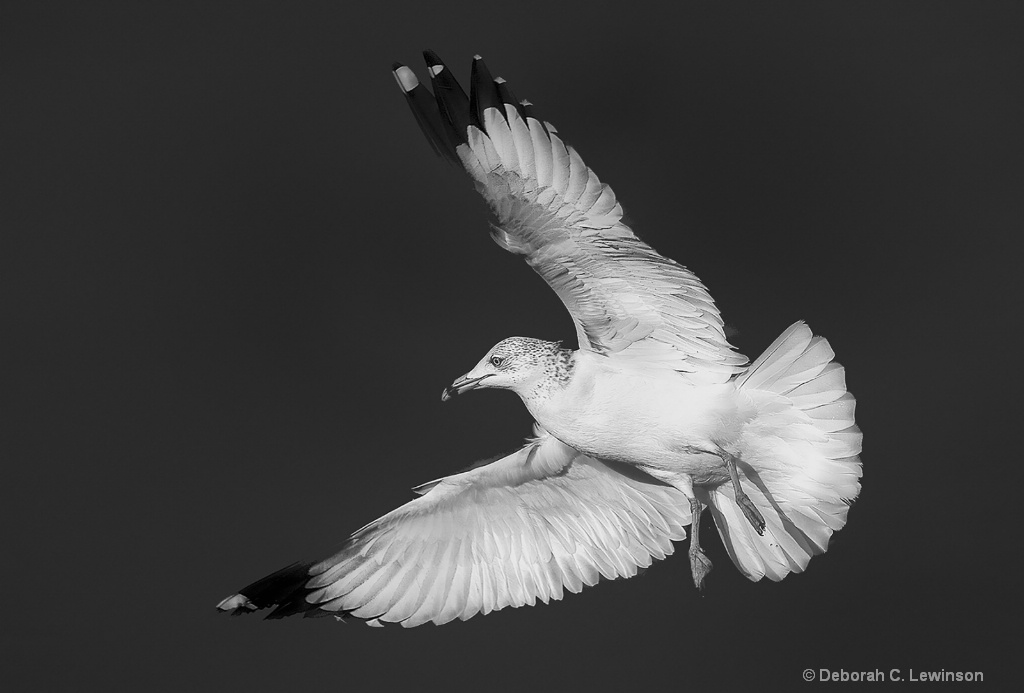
654, 419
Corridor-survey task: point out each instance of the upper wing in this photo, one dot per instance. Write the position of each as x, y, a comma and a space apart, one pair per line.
504, 534
624, 297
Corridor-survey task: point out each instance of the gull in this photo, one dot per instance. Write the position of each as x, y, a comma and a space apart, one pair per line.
654, 419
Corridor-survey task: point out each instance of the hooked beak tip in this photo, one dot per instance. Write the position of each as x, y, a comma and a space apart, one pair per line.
461, 385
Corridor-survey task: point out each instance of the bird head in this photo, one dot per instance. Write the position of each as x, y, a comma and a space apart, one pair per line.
516, 364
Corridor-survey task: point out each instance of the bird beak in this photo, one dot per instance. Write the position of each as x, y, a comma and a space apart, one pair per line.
461, 385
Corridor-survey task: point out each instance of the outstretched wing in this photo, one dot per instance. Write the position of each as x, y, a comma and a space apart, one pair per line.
624, 297
507, 533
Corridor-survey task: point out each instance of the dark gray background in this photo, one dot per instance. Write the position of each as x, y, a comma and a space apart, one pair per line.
234, 279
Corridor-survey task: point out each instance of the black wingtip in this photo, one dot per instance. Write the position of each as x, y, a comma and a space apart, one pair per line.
285, 593
446, 123
483, 92
508, 97
452, 101
527, 109
284, 589
425, 110
432, 59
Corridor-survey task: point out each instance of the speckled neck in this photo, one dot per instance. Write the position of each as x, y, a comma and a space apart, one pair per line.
559, 367
565, 366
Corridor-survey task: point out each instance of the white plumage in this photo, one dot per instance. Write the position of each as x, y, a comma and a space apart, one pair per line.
505, 534
654, 418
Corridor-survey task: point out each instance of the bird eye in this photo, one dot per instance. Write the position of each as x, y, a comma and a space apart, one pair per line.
496, 361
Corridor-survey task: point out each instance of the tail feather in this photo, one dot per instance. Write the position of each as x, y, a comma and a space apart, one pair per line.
754, 557
771, 364
799, 459
827, 387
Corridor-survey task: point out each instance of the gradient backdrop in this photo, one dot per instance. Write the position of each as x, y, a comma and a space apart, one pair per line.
235, 280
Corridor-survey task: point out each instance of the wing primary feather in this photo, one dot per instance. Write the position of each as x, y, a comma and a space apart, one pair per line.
285, 590
483, 93
424, 108
452, 101
521, 529
530, 111
506, 96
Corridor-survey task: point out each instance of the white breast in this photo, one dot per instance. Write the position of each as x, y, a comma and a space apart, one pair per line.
639, 417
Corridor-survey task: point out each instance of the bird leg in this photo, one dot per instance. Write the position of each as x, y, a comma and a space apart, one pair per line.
700, 564
750, 511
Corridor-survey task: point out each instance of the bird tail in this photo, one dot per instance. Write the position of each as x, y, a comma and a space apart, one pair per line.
798, 460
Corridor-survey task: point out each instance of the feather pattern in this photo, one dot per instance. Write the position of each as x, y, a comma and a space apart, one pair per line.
624, 297
548, 517
801, 458
520, 529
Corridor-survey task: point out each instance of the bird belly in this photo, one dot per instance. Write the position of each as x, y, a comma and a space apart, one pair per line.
661, 423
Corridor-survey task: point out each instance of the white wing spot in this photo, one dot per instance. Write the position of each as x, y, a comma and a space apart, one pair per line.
406, 79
